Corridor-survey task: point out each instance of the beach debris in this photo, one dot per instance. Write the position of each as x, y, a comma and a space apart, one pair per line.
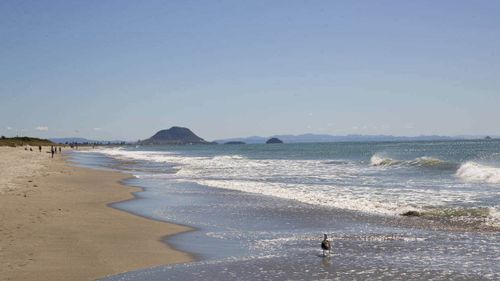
412, 214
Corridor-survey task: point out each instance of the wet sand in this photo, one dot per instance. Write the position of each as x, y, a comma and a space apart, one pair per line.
55, 223
245, 236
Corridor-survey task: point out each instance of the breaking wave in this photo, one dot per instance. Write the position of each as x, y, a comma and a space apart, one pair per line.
475, 172
349, 185
378, 160
425, 161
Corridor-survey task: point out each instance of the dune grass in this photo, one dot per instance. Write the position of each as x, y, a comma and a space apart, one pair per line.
21, 141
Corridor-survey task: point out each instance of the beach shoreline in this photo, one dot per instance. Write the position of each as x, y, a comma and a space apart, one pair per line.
257, 236
165, 238
58, 222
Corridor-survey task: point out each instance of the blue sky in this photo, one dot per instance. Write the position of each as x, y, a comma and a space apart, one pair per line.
125, 69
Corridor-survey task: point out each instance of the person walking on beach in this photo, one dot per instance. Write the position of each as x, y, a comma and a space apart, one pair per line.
40, 148
52, 151
59, 149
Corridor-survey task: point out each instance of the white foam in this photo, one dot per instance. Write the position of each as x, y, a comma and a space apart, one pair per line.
493, 216
425, 161
379, 160
120, 153
475, 172
352, 186
350, 198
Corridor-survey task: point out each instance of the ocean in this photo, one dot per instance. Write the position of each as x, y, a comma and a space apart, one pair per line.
260, 210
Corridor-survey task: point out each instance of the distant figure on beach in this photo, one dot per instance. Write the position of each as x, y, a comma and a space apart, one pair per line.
31, 149
52, 151
59, 149
325, 245
40, 148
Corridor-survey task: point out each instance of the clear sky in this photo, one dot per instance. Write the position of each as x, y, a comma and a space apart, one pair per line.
125, 69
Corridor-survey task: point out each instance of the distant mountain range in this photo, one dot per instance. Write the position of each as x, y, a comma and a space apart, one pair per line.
84, 140
310, 138
180, 135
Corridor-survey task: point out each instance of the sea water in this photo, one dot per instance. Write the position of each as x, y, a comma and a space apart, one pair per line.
260, 210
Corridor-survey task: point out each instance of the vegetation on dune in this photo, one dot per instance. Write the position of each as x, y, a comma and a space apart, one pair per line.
20, 141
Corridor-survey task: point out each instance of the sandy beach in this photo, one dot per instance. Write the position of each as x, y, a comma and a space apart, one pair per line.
55, 223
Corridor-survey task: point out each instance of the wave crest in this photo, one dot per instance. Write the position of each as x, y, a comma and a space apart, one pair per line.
425, 161
378, 160
472, 171
228, 157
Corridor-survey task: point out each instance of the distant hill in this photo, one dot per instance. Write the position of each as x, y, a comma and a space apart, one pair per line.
174, 135
20, 141
247, 140
310, 138
234, 142
274, 140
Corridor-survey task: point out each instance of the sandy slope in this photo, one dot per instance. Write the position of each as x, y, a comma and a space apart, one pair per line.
55, 225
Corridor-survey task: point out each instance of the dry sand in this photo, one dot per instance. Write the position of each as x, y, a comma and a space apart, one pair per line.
55, 223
